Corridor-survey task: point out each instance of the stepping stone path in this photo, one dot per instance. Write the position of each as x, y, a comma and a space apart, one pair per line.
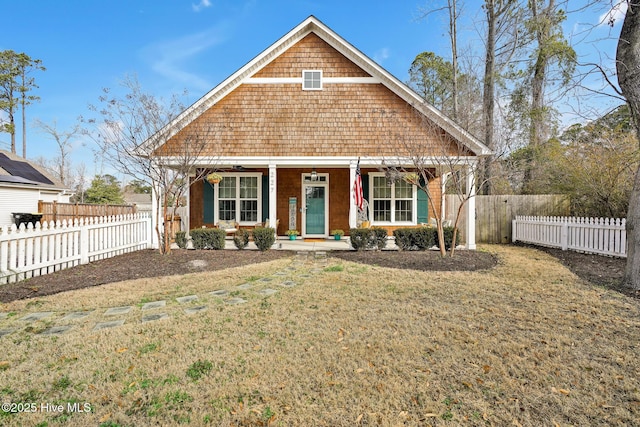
194, 310
188, 298
36, 316
116, 311
153, 317
155, 304
304, 266
77, 315
107, 325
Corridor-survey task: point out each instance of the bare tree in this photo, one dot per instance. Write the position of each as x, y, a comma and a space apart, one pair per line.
421, 161
168, 162
61, 163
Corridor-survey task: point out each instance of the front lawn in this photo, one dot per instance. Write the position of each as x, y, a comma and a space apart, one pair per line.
524, 343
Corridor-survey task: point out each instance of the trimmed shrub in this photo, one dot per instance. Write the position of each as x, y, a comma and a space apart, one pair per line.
241, 238
360, 238
208, 238
424, 238
405, 238
416, 238
378, 237
181, 239
264, 237
448, 237
368, 238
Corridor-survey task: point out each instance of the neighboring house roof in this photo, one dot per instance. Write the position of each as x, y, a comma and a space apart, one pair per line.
137, 198
16, 171
255, 73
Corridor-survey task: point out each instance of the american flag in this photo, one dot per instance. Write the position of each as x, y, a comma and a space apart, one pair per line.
358, 197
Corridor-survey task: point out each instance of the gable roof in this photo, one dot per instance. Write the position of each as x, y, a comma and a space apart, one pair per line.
315, 26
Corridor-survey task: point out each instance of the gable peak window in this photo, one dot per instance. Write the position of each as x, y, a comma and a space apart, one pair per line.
312, 80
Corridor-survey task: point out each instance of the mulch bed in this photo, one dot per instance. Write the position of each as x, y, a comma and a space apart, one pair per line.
599, 270
133, 265
422, 260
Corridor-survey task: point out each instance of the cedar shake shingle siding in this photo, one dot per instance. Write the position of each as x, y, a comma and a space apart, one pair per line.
312, 53
342, 119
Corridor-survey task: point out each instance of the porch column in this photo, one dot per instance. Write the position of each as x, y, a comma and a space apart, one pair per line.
471, 207
156, 214
353, 210
273, 195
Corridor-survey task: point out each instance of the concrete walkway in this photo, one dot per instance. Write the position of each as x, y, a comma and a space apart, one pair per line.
310, 245
308, 262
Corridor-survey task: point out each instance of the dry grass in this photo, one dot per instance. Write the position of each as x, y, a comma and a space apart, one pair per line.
526, 343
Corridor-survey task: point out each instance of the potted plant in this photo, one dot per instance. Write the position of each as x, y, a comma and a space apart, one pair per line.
214, 178
292, 234
337, 233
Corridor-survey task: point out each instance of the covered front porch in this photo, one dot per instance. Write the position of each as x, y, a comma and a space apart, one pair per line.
313, 196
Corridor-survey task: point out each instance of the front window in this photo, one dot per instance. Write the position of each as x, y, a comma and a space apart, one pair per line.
393, 202
238, 198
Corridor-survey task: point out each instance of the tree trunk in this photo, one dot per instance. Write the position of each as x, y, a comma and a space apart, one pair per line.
23, 102
453, 34
488, 93
537, 114
628, 68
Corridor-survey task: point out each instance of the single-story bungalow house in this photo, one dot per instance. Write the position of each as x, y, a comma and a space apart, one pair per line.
290, 129
23, 184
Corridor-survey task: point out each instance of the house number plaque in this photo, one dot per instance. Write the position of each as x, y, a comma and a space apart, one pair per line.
293, 206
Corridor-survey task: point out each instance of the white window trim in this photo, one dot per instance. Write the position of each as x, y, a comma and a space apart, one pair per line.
414, 211
303, 80
216, 207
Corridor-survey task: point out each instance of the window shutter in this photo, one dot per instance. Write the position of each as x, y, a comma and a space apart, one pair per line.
265, 197
423, 205
209, 203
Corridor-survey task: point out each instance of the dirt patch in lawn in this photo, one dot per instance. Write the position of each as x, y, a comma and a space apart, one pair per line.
134, 265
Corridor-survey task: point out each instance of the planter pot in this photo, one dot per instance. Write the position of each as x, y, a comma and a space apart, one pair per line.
337, 237
292, 237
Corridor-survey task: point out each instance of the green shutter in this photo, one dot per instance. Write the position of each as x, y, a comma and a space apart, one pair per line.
365, 186
265, 197
208, 194
423, 205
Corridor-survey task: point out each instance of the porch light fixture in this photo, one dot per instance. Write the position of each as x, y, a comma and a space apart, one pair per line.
314, 175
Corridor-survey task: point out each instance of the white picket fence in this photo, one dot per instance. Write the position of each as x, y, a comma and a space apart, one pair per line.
604, 236
33, 251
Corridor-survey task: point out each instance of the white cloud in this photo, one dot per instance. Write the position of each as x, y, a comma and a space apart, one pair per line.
202, 5
381, 55
170, 58
615, 15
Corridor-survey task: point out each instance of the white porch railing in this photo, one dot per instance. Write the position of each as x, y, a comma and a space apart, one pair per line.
43, 249
604, 236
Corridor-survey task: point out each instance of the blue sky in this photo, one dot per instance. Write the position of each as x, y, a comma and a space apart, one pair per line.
177, 45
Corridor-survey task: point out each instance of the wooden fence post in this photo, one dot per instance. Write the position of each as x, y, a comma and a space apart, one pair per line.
564, 234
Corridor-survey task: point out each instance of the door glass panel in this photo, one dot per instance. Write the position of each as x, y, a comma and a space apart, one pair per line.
315, 203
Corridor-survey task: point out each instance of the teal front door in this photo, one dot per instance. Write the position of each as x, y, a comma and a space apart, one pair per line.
315, 209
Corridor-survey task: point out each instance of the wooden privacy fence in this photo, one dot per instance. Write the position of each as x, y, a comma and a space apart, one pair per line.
494, 214
54, 211
604, 236
33, 251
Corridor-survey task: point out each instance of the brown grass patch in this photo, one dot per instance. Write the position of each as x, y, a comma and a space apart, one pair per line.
526, 343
